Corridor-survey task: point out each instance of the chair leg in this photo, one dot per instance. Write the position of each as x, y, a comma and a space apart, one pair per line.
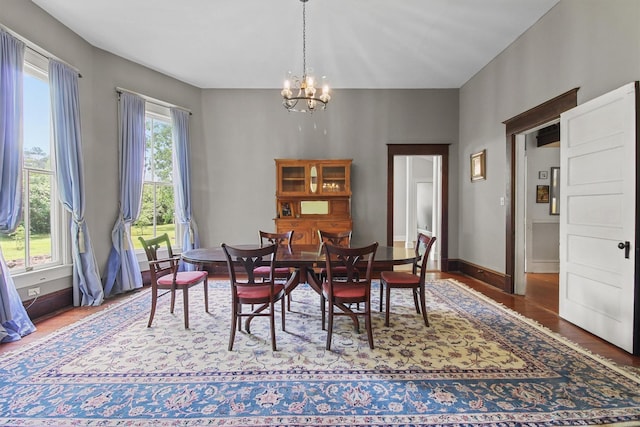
206, 294
381, 291
234, 316
323, 308
154, 300
423, 303
386, 314
330, 327
415, 299
282, 311
367, 321
185, 302
272, 319
173, 301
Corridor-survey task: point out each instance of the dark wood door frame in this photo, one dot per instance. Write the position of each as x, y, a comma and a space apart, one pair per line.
537, 116
422, 150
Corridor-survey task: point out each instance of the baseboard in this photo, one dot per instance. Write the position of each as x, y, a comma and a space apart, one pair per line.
48, 304
486, 275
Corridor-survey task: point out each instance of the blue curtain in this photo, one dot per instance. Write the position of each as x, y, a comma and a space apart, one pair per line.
65, 109
182, 181
14, 318
123, 271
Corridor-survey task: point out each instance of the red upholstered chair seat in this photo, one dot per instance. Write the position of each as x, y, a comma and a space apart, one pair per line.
183, 278
263, 271
400, 279
346, 291
258, 293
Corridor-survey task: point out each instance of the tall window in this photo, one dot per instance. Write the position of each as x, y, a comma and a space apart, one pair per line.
157, 214
36, 242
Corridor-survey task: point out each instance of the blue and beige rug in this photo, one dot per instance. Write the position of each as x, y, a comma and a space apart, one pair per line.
478, 364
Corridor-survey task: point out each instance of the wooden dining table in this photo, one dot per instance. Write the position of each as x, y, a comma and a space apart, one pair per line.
306, 258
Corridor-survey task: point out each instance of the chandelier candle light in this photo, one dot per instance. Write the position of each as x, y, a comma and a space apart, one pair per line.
305, 86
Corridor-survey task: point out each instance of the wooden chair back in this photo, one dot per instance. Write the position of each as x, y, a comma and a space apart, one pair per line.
424, 244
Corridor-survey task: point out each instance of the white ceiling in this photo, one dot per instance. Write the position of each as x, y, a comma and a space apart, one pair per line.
356, 44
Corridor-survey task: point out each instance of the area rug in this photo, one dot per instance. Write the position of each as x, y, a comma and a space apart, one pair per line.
478, 364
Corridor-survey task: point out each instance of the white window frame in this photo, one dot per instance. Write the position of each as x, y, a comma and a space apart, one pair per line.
36, 65
162, 113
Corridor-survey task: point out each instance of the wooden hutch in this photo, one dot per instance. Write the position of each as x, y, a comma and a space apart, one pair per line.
313, 195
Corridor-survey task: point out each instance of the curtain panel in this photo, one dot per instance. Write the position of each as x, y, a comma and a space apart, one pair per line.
65, 108
14, 318
123, 270
182, 181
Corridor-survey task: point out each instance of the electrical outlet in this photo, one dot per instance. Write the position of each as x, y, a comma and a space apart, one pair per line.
32, 292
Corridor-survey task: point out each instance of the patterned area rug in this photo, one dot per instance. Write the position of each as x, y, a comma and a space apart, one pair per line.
478, 364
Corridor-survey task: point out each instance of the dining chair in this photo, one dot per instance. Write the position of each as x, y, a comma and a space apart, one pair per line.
163, 266
341, 238
247, 289
348, 288
413, 280
283, 240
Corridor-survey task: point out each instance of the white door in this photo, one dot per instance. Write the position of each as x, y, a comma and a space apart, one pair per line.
597, 199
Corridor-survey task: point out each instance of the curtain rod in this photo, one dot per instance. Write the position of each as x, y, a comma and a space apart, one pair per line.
153, 100
37, 49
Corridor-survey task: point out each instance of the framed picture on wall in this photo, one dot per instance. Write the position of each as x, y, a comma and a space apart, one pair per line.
542, 194
478, 166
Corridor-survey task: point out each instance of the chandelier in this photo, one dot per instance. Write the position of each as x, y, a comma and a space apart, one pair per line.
306, 91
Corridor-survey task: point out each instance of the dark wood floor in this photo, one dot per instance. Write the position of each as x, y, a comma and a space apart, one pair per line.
540, 304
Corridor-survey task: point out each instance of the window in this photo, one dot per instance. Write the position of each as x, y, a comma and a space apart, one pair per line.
36, 243
157, 213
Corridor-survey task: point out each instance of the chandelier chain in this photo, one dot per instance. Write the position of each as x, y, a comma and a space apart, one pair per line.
306, 89
304, 38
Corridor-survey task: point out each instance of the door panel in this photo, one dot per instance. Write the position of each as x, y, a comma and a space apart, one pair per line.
598, 199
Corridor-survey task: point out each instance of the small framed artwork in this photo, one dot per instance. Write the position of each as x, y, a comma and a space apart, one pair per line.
542, 194
286, 209
478, 166
543, 175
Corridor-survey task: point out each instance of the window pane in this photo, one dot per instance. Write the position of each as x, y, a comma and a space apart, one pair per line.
40, 219
37, 126
34, 242
156, 214
158, 210
163, 151
148, 159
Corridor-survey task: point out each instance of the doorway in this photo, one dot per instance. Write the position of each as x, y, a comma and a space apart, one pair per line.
525, 122
440, 150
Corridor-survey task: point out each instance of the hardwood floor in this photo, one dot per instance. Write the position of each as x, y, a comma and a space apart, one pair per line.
539, 306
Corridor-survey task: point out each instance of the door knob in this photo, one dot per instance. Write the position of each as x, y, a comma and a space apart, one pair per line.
626, 246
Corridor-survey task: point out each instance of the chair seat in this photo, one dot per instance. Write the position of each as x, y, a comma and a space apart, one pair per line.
253, 292
183, 278
400, 279
265, 270
346, 291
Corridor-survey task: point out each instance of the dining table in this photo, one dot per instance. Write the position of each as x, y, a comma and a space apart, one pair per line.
305, 259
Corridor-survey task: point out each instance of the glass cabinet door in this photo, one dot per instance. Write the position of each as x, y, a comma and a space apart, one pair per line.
292, 179
334, 179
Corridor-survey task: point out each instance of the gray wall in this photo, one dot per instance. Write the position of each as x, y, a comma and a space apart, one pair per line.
590, 44
244, 130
